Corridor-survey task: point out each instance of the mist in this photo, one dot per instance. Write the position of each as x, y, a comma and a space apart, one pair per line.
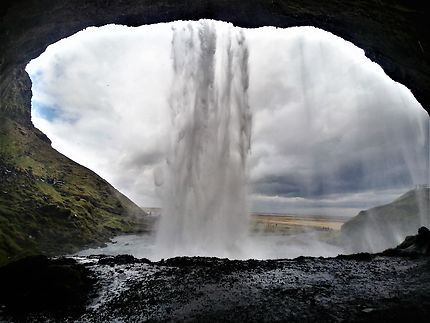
331, 135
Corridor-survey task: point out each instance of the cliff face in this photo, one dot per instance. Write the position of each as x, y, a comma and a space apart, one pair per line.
384, 226
50, 204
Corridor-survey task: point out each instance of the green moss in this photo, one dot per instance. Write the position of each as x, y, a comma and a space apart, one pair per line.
50, 204
49, 191
28, 163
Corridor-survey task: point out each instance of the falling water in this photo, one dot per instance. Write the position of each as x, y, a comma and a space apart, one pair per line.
332, 135
204, 183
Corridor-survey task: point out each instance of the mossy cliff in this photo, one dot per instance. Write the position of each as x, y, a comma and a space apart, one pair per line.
50, 204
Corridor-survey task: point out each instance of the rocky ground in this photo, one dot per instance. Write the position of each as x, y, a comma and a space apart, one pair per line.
304, 289
353, 288
386, 287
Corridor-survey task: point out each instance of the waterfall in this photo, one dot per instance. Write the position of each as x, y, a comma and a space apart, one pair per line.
204, 183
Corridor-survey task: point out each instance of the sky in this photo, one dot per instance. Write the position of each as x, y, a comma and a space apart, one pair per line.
331, 134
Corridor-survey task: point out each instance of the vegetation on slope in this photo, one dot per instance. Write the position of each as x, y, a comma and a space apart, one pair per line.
386, 226
50, 204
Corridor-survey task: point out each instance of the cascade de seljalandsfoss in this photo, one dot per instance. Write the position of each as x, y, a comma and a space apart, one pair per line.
205, 209
340, 152
242, 170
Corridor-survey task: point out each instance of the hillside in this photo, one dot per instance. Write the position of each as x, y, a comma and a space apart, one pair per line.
50, 204
385, 226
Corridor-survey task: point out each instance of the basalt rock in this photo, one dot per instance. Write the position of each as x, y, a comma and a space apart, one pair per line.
375, 289
38, 284
413, 245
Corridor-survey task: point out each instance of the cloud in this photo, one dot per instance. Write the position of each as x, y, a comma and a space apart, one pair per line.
328, 120
101, 96
330, 130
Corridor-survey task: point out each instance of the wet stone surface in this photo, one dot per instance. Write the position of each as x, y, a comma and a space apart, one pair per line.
360, 289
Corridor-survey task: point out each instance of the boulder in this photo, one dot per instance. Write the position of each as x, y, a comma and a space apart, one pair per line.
413, 245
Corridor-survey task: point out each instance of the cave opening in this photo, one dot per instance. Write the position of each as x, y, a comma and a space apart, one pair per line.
53, 206
332, 134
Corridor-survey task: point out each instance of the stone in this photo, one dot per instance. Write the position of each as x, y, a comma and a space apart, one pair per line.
37, 284
413, 245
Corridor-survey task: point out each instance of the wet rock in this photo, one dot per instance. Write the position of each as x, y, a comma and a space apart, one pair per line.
191, 261
121, 260
201, 289
39, 284
357, 256
413, 245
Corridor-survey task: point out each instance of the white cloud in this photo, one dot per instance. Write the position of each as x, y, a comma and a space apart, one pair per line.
331, 133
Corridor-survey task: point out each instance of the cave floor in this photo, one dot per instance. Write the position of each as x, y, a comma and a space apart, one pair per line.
358, 288
305, 289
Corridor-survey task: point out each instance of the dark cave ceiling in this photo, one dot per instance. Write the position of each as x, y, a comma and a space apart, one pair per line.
393, 33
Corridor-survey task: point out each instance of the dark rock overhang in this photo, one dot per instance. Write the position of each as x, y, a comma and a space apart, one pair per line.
393, 33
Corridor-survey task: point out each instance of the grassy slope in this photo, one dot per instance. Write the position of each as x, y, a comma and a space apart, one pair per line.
50, 204
387, 224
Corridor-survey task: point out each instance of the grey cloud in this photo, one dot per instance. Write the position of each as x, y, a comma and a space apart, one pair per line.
142, 159
326, 121
347, 129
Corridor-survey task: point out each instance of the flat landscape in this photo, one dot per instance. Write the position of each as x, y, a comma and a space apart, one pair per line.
278, 222
293, 224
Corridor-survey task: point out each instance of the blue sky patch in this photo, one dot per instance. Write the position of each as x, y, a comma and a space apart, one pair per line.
49, 113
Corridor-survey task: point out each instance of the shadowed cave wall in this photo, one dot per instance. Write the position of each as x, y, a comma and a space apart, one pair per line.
393, 33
